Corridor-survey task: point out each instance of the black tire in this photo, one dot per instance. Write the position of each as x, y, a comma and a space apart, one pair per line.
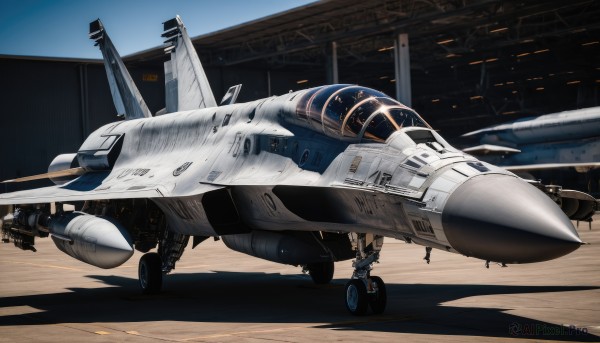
150, 273
357, 301
378, 300
322, 272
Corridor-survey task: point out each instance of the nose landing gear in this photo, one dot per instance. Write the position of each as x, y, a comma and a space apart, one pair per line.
364, 290
321, 273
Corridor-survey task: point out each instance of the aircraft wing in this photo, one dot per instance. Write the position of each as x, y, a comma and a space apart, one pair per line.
486, 149
584, 166
98, 186
60, 173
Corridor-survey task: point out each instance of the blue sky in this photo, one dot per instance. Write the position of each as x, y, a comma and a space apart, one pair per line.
59, 28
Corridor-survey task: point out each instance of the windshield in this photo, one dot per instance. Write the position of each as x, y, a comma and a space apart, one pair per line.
355, 112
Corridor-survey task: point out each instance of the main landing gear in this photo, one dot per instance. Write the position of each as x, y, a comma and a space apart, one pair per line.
150, 273
321, 272
364, 290
153, 265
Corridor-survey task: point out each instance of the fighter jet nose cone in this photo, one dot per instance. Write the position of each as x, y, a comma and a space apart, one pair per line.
503, 219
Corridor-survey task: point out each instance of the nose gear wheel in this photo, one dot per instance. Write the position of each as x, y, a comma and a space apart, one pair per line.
363, 290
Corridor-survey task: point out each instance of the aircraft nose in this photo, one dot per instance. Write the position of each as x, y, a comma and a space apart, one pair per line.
501, 218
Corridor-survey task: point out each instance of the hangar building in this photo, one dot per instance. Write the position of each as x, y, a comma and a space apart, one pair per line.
472, 63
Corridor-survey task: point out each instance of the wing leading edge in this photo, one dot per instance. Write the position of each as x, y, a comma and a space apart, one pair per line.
99, 186
580, 167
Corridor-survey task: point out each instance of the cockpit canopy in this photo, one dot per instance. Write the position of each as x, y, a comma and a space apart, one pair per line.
355, 112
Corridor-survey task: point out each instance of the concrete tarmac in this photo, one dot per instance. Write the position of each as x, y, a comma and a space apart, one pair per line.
218, 295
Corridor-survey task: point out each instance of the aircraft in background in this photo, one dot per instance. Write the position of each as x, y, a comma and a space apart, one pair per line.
559, 141
308, 178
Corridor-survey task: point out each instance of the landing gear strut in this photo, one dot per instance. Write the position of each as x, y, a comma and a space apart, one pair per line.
364, 290
153, 265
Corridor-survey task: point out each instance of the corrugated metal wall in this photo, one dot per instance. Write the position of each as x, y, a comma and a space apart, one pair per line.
49, 107
40, 115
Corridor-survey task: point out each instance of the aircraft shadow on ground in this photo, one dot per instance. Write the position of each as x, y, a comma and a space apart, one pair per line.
231, 297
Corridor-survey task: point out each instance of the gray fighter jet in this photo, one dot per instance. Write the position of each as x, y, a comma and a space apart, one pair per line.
564, 140
308, 178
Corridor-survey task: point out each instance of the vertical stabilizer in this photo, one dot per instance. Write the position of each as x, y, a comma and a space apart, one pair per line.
128, 100
186, 85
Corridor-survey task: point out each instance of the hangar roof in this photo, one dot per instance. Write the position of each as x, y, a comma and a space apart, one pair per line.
470, 60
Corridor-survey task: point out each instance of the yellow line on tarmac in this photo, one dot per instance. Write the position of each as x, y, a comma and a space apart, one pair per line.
378, 319
237, 333
193, 267
45, 265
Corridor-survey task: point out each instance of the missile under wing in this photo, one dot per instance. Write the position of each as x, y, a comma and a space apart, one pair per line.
308, 178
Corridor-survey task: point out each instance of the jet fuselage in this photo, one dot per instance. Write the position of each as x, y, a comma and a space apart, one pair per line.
337, 158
